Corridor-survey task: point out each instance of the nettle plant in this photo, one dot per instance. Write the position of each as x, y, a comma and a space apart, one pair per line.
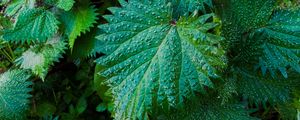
155, 59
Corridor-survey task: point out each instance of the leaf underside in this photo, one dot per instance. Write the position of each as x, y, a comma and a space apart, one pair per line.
40, 58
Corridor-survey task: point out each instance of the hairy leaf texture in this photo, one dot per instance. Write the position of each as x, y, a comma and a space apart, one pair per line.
152, 59
281, 42
239, 17
258, 36
14, 89
16, 6
39, 58
189, 6
62, 4
211, 109
261, 89
78, 20
32, 25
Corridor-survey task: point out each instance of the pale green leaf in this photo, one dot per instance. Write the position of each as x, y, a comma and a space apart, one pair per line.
39, 58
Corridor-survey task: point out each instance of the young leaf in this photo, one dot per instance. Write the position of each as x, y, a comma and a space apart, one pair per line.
32, 25
39, 58
78, 20
152, 59
14, 89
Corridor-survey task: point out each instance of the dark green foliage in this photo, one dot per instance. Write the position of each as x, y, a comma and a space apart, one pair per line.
210, 108
149, 59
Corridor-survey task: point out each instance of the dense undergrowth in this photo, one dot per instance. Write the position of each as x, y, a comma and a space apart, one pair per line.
149, 59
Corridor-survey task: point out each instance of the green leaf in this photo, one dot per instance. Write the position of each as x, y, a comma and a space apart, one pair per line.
14, 89
32, 25
81, 105
262, 89
79, 20
101, 107
154, 60
16, 6
281, 46
186, 6
62, 4
39, 58
239, 18
45, 109
211, 109
86, 45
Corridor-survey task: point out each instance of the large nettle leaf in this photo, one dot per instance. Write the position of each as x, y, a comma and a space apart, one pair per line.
155, 60
14, 89
39, 58
32, 25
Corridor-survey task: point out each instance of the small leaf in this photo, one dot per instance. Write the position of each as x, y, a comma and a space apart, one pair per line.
81, 105
101, 107
39, 58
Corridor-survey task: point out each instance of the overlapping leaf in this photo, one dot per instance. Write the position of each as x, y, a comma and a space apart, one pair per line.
32, 25
155, 60
78, 20
39, 58
14, 94
211, 109
62, 4
16, 6
281, 46
261, 89
259, 36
